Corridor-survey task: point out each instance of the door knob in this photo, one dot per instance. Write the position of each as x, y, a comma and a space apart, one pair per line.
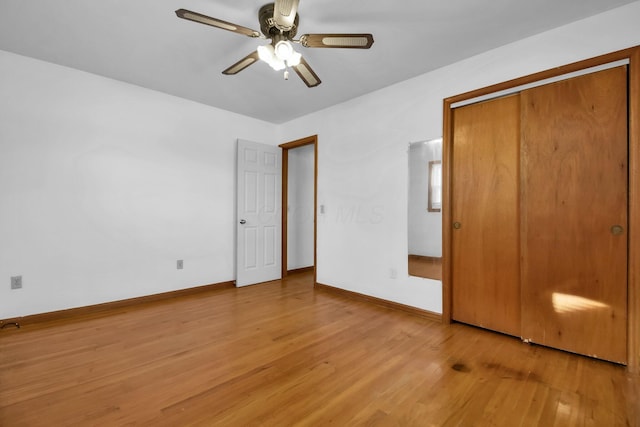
242, 221
616, 230
457, 225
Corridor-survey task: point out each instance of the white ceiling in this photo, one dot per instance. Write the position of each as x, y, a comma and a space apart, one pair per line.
143, 42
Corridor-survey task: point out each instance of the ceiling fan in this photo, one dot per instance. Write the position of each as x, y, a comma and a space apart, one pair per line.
279, 22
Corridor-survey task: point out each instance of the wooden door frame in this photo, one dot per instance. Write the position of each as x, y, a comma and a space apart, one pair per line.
313, 139
633, 268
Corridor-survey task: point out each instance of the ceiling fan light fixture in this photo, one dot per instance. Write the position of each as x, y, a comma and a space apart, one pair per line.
294, 59
286, 53
267, 54
284, 50
264, 53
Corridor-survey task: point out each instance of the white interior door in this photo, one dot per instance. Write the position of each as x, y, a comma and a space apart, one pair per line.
258, 221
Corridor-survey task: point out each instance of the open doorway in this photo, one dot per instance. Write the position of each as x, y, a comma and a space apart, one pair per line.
299, 204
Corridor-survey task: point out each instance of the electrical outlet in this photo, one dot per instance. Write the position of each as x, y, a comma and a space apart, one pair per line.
16, 282
180, 264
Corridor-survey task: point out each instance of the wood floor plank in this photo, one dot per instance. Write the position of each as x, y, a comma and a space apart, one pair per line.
280, 354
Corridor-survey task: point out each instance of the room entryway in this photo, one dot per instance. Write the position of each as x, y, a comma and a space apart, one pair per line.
299, 202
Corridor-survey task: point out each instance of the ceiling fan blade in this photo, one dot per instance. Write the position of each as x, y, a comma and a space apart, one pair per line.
242, 64
349, 41
308, 76
207, 20
284, 14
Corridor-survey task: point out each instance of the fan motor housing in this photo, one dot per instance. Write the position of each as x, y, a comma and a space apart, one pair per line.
268, 25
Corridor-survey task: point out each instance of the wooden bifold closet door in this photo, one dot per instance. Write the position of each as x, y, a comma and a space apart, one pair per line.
539, 208
575, 152
485, 238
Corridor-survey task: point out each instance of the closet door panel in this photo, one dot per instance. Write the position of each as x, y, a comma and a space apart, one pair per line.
485, 239
575, 186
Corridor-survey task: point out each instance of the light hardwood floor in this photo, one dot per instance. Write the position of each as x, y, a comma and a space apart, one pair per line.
280, 354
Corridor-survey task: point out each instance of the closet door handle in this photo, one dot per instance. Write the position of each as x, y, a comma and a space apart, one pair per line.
242, 221
617, 230
457, 225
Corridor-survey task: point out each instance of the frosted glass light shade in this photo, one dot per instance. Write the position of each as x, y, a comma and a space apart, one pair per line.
268, 55
284, 50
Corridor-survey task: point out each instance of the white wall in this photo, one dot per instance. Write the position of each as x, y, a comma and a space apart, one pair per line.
104, 185
362, 157
300, 201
